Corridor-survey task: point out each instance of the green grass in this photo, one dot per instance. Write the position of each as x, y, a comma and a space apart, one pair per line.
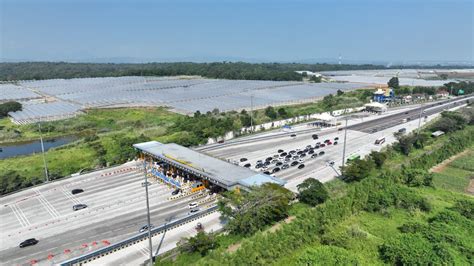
457, 174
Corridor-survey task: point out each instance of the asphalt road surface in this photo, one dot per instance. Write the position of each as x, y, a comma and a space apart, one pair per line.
116, 210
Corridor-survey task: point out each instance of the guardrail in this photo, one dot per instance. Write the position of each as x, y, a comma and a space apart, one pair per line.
135, 239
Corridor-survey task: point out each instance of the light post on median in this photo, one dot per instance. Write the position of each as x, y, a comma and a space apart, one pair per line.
148, 211
344, 146
42, 151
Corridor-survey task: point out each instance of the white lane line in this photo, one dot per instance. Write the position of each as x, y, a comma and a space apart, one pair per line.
17, 215
52, 211
20, 211
70, 196
140, 249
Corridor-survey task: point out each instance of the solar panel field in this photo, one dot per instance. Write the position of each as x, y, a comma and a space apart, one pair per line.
60, 98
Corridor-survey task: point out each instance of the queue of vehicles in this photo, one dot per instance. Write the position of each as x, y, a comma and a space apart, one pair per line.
293, 158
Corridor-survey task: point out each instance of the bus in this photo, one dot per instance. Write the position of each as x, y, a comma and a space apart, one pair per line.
353, 157
380, 141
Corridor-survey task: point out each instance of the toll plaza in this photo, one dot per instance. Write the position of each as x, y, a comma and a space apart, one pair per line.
191, 171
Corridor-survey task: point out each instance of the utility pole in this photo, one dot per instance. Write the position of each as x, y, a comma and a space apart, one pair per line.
42, 151
148, 211
344, 147
251, 112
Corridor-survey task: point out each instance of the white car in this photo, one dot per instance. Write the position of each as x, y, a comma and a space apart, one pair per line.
193, 205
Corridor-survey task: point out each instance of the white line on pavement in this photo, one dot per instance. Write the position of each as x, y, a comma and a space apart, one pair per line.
52, 211
17, 215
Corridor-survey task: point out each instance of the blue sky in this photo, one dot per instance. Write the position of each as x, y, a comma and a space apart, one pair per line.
209, 30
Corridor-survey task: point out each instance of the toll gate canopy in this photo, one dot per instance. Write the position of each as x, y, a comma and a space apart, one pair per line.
218, 172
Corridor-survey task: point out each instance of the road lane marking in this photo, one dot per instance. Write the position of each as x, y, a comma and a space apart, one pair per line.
70, 196
18, 215
52, 211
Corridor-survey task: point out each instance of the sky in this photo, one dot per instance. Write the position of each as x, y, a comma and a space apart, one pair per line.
245, 30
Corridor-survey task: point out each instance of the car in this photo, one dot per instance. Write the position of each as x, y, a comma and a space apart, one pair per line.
318, 143
77, 191
193, 205
331, 163
29, 242
193, 211
275, 161
309, 146
293, 135
301, 166
292, 152
301, 160
322, 145
257, 166
176, 191
267, 163
406, 113
312, 151
145, 228
341, 129
259, 162
295, 158
276, 169
280, 151
243, 159
326, 141
335, 143
299, 152
79, 207
283, 154
302, 155
305, 150
294, 163
278, 163
317, 146
321, 153
287, 159
269, 159
247, 165
402, 130
408, 119
314, 155
329, 143
199, 227
220, 141
315, 136
285, 166
276, 155
336, 138
267, 172
288, 156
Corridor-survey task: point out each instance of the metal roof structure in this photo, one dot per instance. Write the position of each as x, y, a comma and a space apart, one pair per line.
217, 171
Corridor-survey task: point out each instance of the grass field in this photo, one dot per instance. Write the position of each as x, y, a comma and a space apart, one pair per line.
455, 176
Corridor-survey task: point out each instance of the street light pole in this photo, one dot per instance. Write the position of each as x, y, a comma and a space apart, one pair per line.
251, 112
148, 211
42, 151
344, 147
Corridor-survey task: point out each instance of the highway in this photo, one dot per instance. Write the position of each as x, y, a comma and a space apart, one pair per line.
116, 210
361, 135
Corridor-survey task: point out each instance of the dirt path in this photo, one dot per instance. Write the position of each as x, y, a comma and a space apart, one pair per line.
440, 167
470, 188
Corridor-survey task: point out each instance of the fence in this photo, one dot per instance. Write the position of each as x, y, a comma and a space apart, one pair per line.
135, 239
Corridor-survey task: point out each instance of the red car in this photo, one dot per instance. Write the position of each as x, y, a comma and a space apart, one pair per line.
329, 143
322, 145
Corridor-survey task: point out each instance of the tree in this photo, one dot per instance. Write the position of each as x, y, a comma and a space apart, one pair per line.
315, 79
378, 158
250, 212
329, 100
340, 93
9, 107
312, 192
414, 177
393, 83
282, 112
200, 243
357, 170
270, 112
